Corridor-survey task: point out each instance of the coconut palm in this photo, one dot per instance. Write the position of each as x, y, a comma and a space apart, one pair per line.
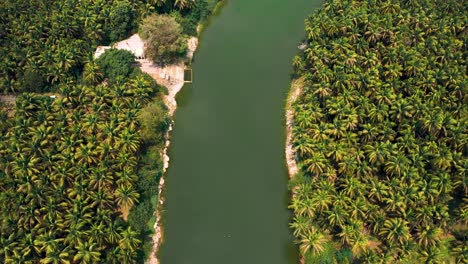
312, 241
87, 252
184, 4
126, 196
395, 230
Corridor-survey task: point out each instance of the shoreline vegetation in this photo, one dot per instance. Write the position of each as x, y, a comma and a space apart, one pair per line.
297, 86
376, 123
85, 141
294, 92
171, 103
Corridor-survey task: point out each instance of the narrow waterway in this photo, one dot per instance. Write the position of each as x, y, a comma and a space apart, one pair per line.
226, 193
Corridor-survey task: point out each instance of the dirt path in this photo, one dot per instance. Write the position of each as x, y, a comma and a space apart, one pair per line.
8, 99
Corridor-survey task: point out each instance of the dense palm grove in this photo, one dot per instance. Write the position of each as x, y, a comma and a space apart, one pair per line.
380, 133
46, 42
68, 167
80, 151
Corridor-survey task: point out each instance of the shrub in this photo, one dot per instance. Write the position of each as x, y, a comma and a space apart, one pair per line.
196, 15
33, 81
116, 64
154, 122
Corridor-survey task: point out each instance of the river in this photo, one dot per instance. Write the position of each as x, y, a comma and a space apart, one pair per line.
226, 194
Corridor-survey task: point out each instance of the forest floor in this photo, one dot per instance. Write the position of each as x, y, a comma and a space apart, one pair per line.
8, 102
172, 77
8, 99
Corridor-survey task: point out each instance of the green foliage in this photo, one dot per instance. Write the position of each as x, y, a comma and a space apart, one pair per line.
92, 73
150, 81
47, 36
380, 131
169, 5
164, 39
344, 256
117, 65
197, 14
68, 167
154, 121
120, 21
3, 121
142, 216
33, 81
324, 257
56, 38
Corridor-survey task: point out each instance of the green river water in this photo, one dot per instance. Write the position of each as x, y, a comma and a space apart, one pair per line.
226, 192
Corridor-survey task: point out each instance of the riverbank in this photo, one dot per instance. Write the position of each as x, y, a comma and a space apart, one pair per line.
294, 93
173, 84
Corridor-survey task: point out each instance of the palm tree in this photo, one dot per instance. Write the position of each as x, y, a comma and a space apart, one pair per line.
428, 236
126, 197
313, 241
395, 230
300, 225
360, 245
113, 233
397, 165
337, 216
431, 255
128, 141
92, 73
459, 252
299, 206
126, 177
352, 187
348, 234
87, 252
184, 4
322, 199
316, 163
129, 240
56, 257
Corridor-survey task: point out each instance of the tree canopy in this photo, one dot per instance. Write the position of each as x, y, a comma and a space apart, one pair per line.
117, 65
165, 42
120, 21
380, 133
67, 167
51, 41
75, 162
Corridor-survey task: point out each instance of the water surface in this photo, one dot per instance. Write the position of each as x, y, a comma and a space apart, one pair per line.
226, 193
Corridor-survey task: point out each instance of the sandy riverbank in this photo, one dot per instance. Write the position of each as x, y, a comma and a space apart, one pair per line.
293, 169
296, 89
172, 77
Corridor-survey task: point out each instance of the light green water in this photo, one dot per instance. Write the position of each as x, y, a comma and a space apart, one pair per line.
226, 194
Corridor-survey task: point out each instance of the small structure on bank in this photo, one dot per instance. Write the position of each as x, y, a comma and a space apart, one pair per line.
167, 75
